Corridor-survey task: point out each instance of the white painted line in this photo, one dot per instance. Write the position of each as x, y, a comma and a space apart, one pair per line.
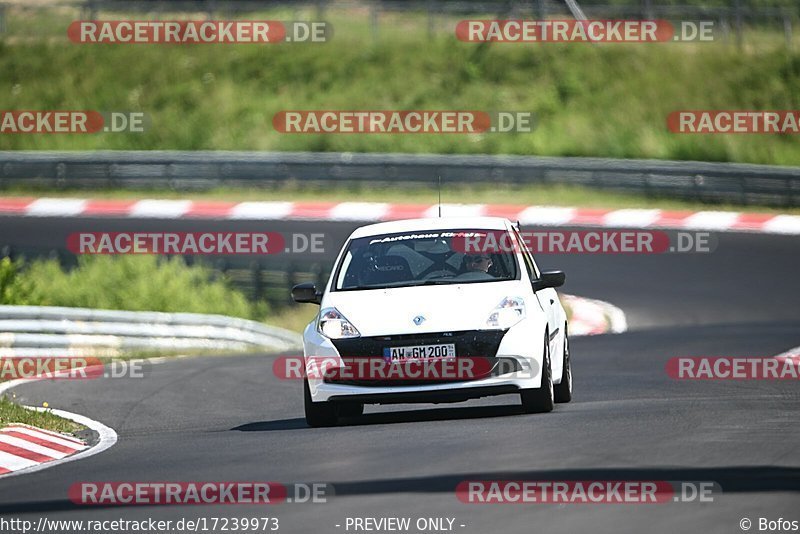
359, 211
261, 210
160, 209
546, 215
711, 220
632, 218
56, 207
5, 386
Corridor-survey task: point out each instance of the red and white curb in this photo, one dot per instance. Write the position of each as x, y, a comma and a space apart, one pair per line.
792, 355
591, 317
25, 449
23, 446
377, 211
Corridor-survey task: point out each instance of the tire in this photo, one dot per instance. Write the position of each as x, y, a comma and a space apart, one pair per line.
318, 414
351, 409
563, 391
541, 399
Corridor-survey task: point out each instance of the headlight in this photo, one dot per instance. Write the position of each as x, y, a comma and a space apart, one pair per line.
509, 312
333, 325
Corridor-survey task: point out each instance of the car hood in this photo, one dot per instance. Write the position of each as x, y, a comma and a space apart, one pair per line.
445, 308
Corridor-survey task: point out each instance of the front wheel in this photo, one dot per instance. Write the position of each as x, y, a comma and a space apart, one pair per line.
563, 391
318, 413
541, 399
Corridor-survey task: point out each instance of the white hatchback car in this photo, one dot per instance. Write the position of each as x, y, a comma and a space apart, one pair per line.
427, 295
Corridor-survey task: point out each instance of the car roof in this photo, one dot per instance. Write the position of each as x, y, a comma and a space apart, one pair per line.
432, 223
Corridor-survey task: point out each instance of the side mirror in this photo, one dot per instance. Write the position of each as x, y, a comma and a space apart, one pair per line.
549, 279
306, 292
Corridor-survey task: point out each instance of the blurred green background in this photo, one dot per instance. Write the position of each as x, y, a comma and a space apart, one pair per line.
608, 100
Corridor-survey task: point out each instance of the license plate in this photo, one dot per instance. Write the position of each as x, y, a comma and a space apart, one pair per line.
419, 352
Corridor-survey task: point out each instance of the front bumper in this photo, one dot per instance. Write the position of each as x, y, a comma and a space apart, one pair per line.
427, 396
516, 344
479, 345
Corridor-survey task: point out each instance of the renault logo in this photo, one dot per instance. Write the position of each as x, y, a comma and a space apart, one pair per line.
419, 319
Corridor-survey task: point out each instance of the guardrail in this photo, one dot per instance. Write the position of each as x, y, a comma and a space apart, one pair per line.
30, 330
185, 171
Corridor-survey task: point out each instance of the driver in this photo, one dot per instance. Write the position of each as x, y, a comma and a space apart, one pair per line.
477, 262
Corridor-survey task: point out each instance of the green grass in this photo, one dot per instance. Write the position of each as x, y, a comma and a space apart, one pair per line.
606, 100
550, 195
11, 412
139, 283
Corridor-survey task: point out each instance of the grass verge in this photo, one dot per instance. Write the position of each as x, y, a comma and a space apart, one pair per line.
11, 412
607, 100
138, 283
135, 283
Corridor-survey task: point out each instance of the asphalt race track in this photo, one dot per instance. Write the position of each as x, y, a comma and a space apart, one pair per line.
227, 418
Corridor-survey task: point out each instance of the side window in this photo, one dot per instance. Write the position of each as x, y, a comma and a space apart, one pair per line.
530, 265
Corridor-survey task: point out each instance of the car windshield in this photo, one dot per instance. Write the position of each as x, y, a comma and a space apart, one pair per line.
421, 258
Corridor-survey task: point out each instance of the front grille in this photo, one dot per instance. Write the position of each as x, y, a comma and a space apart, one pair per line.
468, 343
482, 343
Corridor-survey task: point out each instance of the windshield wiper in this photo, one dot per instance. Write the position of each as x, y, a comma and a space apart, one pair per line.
434, 282
415, 283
